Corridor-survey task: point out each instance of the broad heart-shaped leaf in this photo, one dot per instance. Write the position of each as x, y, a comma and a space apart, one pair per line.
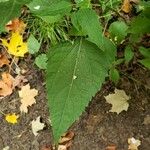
50, 7
86, 20
10, 9
75, 72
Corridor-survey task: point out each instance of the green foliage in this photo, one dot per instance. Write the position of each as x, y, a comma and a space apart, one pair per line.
33, 45
140, 24
83, 3
86, 21
128, 53
146, 53
75, 72
118, 31
109, 7
114, 75
50, 7
46, 30
12, 9
145, 62
41, 61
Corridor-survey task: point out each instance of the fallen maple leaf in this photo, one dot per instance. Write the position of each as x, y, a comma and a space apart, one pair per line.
133, 143
3, 60
37, 126
118, 100
6, 84
16, 25
15, 46
11, 118
27, 97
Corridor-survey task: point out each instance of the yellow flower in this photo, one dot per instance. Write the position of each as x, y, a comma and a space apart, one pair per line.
15, 46
11, 118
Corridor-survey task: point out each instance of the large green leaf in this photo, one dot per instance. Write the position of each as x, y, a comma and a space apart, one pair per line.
75, 73
86, 20
50, 7
9, 10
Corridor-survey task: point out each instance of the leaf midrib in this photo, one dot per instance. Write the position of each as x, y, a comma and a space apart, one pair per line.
71, 85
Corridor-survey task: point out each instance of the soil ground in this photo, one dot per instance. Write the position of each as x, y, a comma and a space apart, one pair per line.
96, 129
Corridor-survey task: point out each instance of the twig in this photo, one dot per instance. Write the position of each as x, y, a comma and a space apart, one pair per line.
135, 80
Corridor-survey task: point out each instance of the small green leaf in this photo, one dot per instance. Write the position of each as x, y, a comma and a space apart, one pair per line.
118, 61
128, 54
10, 9
74, 32
145, 62
118, 31
83, 3
41, 61
139, 26
33, 45
145, 52
86, 21
75, 73
114, 75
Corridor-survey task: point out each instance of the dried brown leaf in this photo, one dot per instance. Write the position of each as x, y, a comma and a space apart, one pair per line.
3, 60
6, 84
16, 25
126, 6
19, 81
111, 147
46, 147
66, 137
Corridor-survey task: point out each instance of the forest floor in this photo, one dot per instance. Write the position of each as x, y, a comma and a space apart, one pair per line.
96, 129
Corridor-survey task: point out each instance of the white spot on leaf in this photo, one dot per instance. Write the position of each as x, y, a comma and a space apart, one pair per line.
74, 77
37, 7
